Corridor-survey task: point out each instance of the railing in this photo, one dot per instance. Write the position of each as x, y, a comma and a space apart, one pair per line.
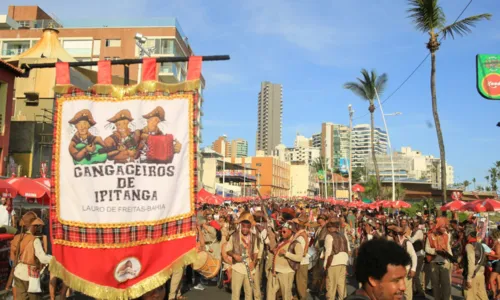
11, 52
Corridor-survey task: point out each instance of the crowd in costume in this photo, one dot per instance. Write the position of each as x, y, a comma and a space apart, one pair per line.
288, 250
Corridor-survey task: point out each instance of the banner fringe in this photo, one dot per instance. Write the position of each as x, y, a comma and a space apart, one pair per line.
135, 291
120, 91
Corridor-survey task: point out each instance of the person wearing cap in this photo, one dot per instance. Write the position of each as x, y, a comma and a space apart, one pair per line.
398, 235
84, 147
302, 237
121, 145
474, 266
337, 251
438, 250
369, 231
28, 253
243, 248
319, 244
287, 257
153, 118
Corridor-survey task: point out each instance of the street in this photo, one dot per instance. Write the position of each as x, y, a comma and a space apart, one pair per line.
212, 292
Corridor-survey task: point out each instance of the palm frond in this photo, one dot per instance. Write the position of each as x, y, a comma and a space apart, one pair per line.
381, 83
357, 89
463, 26
427, 15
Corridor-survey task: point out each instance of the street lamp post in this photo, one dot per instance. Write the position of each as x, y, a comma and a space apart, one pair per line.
224, 166
351, 113
325, 175
140, 40
389, 144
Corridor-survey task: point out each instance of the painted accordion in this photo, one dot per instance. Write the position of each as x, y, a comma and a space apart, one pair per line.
160, 148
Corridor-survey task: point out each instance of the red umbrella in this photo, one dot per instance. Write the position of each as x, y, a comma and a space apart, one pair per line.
28, 187
453, 205
203, 196
358, 188
482, 206
7, 190
44, 181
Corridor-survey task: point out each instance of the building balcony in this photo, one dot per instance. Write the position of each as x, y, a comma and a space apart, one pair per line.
169, 73
7, 22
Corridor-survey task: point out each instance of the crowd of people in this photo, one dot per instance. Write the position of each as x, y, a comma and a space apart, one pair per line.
288, 250
294, 249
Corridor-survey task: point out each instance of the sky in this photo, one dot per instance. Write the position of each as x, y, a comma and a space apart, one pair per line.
312, 50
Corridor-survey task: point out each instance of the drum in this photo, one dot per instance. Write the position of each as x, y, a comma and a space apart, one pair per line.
160, 148
313, 257
206, 265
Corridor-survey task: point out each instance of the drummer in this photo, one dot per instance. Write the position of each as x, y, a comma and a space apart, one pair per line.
244, 250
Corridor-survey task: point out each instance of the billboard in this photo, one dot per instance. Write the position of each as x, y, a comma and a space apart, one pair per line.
344, 166
488, 75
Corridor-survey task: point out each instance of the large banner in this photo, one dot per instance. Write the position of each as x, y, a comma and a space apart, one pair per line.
124, 184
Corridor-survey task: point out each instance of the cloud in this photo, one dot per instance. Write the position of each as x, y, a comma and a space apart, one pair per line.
219, 78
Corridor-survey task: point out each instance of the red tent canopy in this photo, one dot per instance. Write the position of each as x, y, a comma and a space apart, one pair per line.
203, 196
7, 190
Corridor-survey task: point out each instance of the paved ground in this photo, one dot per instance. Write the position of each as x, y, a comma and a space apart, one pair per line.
212, 292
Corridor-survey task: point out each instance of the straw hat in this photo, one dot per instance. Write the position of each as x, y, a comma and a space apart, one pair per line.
301, 220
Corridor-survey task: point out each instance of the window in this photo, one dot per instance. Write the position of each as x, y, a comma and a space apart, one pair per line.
24, 24
78, 48
107, 58
113, 43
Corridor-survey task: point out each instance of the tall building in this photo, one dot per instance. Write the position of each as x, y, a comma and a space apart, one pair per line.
301, 153
302, 180
302, 142
222, 146
361, 144
239, 148
333, 142
269, 115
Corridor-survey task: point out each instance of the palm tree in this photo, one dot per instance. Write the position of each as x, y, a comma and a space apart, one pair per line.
367, 88
466, 185
494, 177
474, 182
429, 17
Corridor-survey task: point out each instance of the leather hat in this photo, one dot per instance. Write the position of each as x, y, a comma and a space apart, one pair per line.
37, 221
83, 115
397, 229
123, 114
371, 223
322, 216
246, 217
288, 213
157, 112
289, 225
28, 218
259, 216
333, 222
301, 220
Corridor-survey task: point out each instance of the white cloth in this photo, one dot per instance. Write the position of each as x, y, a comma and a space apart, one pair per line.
413, 255
302, 242
21, 270
418, 236
5, 217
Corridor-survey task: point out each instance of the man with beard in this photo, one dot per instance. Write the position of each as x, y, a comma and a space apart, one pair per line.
381, 271
84, 146
242, 247
122, 144
153, 118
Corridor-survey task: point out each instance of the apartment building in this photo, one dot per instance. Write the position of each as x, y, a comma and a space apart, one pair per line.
239, 148
361, 144
302, 180
333, 142
96, 40
269, 117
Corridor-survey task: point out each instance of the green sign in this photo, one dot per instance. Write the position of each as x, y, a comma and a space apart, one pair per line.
488, 76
